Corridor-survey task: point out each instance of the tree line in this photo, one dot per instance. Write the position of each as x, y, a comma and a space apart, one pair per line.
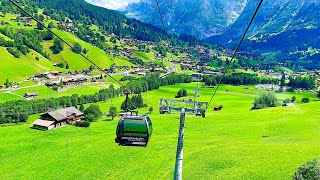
239, 79
19, 110
304, 82
154, 82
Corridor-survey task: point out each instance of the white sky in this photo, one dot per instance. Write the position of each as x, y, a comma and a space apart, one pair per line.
112, 4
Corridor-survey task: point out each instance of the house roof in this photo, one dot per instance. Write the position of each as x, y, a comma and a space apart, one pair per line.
41, 122
65, 113
32, 94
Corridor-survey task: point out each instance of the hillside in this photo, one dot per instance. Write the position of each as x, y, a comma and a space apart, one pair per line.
18, 69
198, 18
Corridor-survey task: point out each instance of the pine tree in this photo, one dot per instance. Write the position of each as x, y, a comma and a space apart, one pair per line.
7, 84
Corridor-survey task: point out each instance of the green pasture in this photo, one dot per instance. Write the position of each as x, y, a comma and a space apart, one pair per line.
235, 143
4, 97
18, 69
76, 61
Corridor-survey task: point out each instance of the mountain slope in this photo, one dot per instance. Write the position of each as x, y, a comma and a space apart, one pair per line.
283, 25
194, 17
109, 20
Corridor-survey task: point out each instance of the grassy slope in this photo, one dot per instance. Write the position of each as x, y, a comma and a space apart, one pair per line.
226, 145
17, 69
26, 66
4, 97
75, 61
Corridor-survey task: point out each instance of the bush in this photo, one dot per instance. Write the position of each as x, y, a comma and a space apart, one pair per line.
305, 100
287, 101
77, 48
310, 170
265, 100
93, 112
182, 93
82, 124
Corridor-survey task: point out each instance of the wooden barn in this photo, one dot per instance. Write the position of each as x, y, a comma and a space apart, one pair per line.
57, 118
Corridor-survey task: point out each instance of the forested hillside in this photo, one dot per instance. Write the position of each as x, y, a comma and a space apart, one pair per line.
109, 20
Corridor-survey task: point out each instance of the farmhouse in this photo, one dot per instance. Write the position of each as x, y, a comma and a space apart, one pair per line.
57, 118
31, 94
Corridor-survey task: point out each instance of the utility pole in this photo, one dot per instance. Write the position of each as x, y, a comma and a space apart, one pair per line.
179, 154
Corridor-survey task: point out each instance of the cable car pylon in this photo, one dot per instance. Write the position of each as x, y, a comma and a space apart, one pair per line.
179, 154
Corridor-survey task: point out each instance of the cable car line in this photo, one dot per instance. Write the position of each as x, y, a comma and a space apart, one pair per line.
161, 18
236, 50
80, 53
163, 27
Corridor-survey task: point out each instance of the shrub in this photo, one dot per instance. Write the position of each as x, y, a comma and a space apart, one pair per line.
265, 100
310, 170
82, 124
93, 112
182, 93
77, 48
287, 101
305, 100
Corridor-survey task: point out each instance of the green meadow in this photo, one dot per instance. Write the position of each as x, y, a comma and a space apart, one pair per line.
18, 69
235, 143
75, 61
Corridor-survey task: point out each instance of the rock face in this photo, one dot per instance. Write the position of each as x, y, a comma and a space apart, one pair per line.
286, 25
200, 18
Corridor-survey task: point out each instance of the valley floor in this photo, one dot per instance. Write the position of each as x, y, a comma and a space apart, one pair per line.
235, 143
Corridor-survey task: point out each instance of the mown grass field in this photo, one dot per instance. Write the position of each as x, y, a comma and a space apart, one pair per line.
235, 143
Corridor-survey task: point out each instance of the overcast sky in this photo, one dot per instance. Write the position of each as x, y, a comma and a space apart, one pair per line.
112, 4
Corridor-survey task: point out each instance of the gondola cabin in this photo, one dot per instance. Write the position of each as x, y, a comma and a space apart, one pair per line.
134, 130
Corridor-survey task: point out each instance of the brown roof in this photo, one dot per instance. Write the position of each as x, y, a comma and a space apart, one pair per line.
65, 113
41, 122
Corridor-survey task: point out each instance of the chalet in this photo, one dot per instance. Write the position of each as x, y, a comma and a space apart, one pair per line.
57, 118
51, 84
81, 80
312, 73
211, 73
196, 76
15, 86
142, 74
55, 73
67, 82
39, 76
31, 95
